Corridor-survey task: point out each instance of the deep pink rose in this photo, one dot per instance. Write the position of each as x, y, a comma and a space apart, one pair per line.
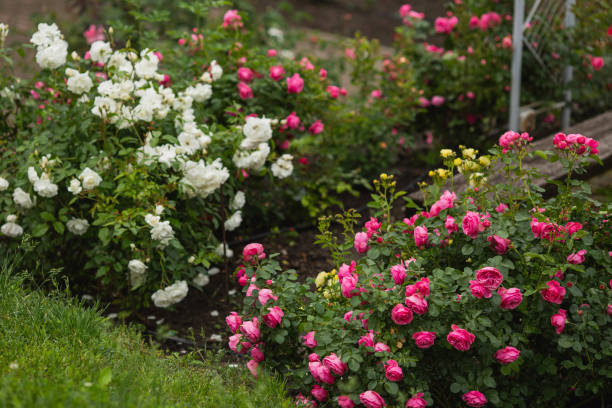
450, 224
275, 317
319, 392
474, 399
558, 320
398, 273
554, 293
489, 277
245, 74
320, 372
479, 291
257, 355
264, 295
404, 10
437, 100
460, 339
335, 364
361, 242
498, 244
367, 340
597, 63
424, 339
371, 399
417, 304
277, 72
245, 90
393, 371
577, 258
293, 121
381, 347
251, 330
471, 224
510, 298
348, 285
507, 355
422, 286
235, 340
345, 402
317, 127
309, 340
253, 252
233, 321
416, 401
304, 402
420, 236
333, 91
232, 19
501, 208
401, 314
295, 84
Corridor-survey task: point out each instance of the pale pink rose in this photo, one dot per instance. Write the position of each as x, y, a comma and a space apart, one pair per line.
295, 84
361, 242
345, 402
306, 64
251, 330
235, 342
558, 320
398, 273
498, 244
416, 401
424, 339
471, 224
507, 41
401, 314
233, 321
245, 90
510, 298
309, 339
264, 295
245, 74
381, 347
275, 317
317, 127
417, 304
450, 225
460, 339
577, 258
293, 121
474, 399
489, 277
437, 100
507, 355
93, 34
420, 236
349, 53
554, 293
371, 399
319, 392
335, 364
253, 252
424, 102
277, 72
252, 366
501, 208
232, 19
479, 291
393, 371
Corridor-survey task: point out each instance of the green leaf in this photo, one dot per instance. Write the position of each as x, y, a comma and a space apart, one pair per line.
59, 227
467, 249
391, 388
47, 216
105, 377
353, 365
104, 235
455, 388
40, 230
566, 341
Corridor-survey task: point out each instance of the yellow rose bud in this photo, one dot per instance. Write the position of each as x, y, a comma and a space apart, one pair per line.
484, 161
446, 153
320, 279
457, 162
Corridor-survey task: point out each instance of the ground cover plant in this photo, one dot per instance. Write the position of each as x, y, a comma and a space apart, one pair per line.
56, 352
490, 296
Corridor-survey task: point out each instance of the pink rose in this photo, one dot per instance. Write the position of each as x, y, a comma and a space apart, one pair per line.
304, 402
371, 399
424, 339
437, 100
597, 63
479, 291
316, 127
251, 330
416, 401
498, 244
420, 236
489, 277
245, 74
295, 84
398, 273
253, 252
422, 286
501, 208
471, 224
361, 242
323, 73
393, 371
367, 340
257, 355
309, 340
319, 392
271, 52
558, 320
274, 318
554, 293
424, 102
507, 355
93, 34
335, 364
474, 399
345, 402
460, 339
252, 366
450, 225
320, 372
333, 91
510, 298
245, 90
233, 321
417, 304
404, 10
264, 295
381, 347
234, 342
376, 94
348, 285
577, 258
277, 72
372, 226
293, 121
401, 314
232, 19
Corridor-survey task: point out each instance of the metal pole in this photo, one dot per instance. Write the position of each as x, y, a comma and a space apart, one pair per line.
517, 56
569, 22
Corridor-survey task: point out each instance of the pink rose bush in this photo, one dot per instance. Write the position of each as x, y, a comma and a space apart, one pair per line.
479, 313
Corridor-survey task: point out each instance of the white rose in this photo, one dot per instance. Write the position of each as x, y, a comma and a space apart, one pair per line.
79, 83
100, 51
44, 187
10, 229
170, 295
146, 68
78, 226
253, 160
256, 131
162, 232
75, 186
3, 184
228, 252
200, 92
283, 167
104, 106
32, 175
22, 199
90, 179
152, 220
138, 272
201, 280
53, 56
234, 221
215, 70
46, 35
213, 271
202, 179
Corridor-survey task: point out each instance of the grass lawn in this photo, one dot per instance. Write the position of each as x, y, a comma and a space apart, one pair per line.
56, 353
